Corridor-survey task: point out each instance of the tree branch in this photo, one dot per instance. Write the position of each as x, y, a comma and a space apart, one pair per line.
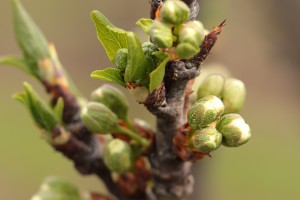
172, 175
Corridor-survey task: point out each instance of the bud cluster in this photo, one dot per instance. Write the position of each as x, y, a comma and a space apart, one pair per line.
213, 119
107, 113
172, 31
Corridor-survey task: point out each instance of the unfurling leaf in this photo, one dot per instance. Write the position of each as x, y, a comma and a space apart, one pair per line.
30, 38
157, 75
59, 108
15, 62
111, 37
135, 71
109, 74
43, 115
145, 24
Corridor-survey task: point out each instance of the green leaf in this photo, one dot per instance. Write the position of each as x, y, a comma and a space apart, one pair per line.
157, 75
136, 61
111, 37
30, 38
109, 74
59, 108
145, 24
40, 111
17, 62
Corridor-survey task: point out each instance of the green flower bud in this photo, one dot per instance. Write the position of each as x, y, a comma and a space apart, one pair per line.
233, 95
186, 50
59, 184
140, 93
53, 195
192, 32
205, 140
175, 12
234, 130
161, 34
117, 156
205, 111
120, 59
113, 98
212, 85
56, 188
152, 61
98, 118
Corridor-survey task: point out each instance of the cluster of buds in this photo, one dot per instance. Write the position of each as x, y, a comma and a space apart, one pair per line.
213, 118
107, 113
172, 31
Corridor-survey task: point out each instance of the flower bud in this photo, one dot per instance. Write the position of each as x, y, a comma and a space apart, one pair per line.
120, 59
56, 188
186, 50
212, 85
205, 111
117, 156
161, 34
192, 32
175, 12
205, 140
98, 118
59, 184
152, 61
234, 130
233, 95
113, 98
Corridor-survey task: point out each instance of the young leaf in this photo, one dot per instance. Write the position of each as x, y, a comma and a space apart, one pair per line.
109, 74
59, 108
157, 75
40, 111
31, 40
16, 62
136, 61
111, 37
145, 24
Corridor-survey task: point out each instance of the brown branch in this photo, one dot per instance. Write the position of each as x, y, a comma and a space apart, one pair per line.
172, 174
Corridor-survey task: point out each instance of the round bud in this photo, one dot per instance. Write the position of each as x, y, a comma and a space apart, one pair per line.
117, 156
53, 195
120, 59
59, 184
192, 32
212, 85
186, 50
152, 61
112, 98
205, 111
98, 118
161, 34
234, 130
233, 95
205, 140
175, 12
56, 188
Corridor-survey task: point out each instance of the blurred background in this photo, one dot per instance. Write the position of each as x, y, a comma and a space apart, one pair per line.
259, 45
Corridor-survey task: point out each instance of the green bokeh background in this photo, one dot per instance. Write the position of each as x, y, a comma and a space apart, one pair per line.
258, 45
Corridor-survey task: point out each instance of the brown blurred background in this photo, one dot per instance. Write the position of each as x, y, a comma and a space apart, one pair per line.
259, 45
